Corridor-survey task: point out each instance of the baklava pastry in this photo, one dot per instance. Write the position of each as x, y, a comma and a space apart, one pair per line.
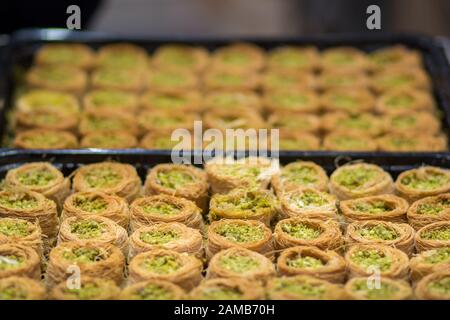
396, 235
227, 289
383, 207
307, 202
183, 181
364, 260
293, 122
294, 58
273, 80
293, 141
348, 100
171, 82
428, 262
110, 101
19, 260
46, 101
164, 208
109, 140
248, 234
161, 140
397, 56
161, 264
409, 79
342, 141
30, 206
104, 121
434, 286
56, 77
432, 236
93, 228
233, 119
99, 260
429, 210
70, 54
23, 232
343, 79
45, 139
311, 261
291, 101
358, 124
404, 101
171, 236
152, 290
365, 288
226, 80
95, 203
171, 102
260, 205
360, 180
422, 182
231, 100
41, 177
238, 57
180, 57
299, 231
239, 262
403, 142
108, 177
300, 174
423, 123
21, 288
227, 174
46, 120
302, 287
90, 289
344, 58
122, 56
164, 121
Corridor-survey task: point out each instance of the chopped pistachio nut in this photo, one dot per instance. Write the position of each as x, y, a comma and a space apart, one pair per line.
156, 237
301, 231
434, 208
430, 181
308, 262
161, 208
378, 232
309, 199
441, 234
87, 291
300, 288
438, 256
241, 170
240, 233
221, 293
441, 286
239, 263
174, 179
355, 178
110, 98
83, 255
12, 292
300, 175
92, 205
368, 258
11, 228
153, 292
8, 262
87, 229
18, 201
385, 291
372, 207
162, 264
102, 178
400, 100
252, 201
36, 177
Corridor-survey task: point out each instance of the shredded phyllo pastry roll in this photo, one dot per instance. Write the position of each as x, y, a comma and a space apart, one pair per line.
342, 141
172, 236
302, 287
367, 259
249, 234
171, 102
57, 77
311, 261
93, 259
238, 57
107, 121
309, 203
240, 262
180, 268
403, 101
360, 180
293, 58
291, 122
84, 204
111, 178
225, 80
110, 100
21, 288
178, 180
180, 57
231, 100
298, 141
428, 262
172, 82
38, 100
19, 260
90, 289
40, 177
122, 56
222, 119
227, 289
300, 231
118, 79
397, 235
385, 207
152, 290
30, 206
365, 288
20, 231
49, 120
353, 80
227, 174
429, 210
274, 80
300, 174
109, 140
396, 56
291, 101
258, 205
164, 208
165, 121
432, 236
422, 182
412, 79
73, 54
344, 58
357, 124
403, 142
93, 228
45, 139
435, 286
413, 123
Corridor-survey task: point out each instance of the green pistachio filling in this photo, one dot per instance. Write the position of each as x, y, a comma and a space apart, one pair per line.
238, 263
251, 201
349, 143
438, 256
340, 58
301, 175
229, 99
36, 177
344, 101
107, 141
8, 262
301, 231
102, 177
359, 122
107, 98
368, 258
83, 255
54, 74
174, 179
434, 208
87, 229
372, 207
240, 233
378, 232
289, 58
441, 286
162, 264
339, 80
242, 171
11, 228
168, 79
122, 59
396, 80
153, 292
402, 142
106, 123
44, 140
163, 121
62, 55
50, 100
158, 237
221, 293
385, 291
113, 76
12, 292
400, 101
18, 201
404, 121
87, 291
290, 100
228, 79
90, 204
175, 56
167, 101
300, 288
161, 208
441, 234
309, 199
294, 144
429, 181
234, 58
281, 80
308, 262
355, 178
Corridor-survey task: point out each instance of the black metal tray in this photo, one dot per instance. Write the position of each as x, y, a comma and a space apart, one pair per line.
22, 45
